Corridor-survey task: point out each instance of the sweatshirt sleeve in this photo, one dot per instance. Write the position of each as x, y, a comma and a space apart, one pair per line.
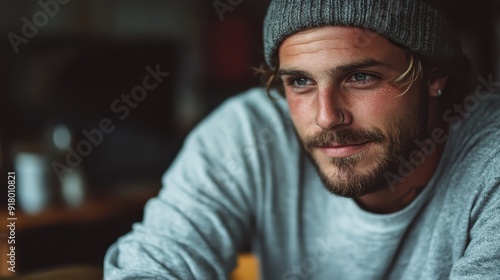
481, 259
202, 216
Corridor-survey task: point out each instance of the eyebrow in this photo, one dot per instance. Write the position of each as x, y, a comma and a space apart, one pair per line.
341, 68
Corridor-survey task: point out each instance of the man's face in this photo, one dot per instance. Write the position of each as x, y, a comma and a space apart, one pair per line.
352, 121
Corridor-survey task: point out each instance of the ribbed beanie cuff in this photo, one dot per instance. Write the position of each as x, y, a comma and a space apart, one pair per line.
410, 23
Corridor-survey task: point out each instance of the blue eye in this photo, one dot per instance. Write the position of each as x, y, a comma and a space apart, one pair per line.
300, 81
363, 81
298, 84
360, 77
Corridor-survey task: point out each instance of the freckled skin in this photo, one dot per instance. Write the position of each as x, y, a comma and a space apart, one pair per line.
319, 105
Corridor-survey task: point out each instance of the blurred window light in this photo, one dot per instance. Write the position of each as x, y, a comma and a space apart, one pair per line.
61, 137
32, 188
73, 188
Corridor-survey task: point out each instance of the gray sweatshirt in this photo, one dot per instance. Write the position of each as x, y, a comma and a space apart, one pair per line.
242, 178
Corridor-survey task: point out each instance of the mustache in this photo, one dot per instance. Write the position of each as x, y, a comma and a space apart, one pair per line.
345, 136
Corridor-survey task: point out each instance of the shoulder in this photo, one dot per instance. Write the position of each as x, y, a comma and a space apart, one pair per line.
473, 156
233, 150
249, 117
475, 138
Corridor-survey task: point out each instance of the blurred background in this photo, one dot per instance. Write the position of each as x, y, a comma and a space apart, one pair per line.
98, 95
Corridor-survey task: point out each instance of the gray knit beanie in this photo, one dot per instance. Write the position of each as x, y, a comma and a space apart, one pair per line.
411, 23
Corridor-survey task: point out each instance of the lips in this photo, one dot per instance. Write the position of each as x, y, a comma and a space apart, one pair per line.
336, 150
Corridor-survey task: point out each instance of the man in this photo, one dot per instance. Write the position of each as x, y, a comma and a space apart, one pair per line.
373, 111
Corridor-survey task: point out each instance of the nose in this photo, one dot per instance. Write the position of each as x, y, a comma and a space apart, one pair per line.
329, 114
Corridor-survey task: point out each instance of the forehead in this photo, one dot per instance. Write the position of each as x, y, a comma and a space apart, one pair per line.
338, 43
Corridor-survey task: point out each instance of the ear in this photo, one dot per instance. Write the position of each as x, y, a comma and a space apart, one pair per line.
436, 86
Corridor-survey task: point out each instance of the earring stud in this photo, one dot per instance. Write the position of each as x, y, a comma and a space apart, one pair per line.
440, 92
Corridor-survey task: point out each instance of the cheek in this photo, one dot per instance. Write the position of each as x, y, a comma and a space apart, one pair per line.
382, 107
301, 111
374, 109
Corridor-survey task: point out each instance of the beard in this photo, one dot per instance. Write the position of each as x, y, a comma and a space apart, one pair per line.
341, 176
